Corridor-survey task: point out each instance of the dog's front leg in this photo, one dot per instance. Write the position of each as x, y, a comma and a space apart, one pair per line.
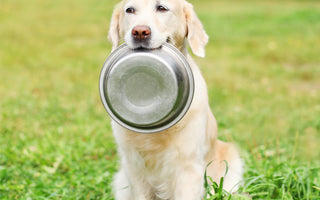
140, 190
191, 154
133, 174
130, 187
189, 185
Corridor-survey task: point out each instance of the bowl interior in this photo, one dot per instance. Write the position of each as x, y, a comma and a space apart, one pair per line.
141, 89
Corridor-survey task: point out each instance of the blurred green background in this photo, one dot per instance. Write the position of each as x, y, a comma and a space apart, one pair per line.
262, 68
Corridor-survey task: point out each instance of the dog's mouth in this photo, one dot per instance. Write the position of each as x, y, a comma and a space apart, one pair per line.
147, 46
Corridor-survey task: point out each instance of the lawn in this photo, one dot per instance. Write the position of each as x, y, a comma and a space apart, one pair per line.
262, 69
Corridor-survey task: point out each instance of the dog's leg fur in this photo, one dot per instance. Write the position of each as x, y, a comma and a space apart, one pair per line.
189, 178
189, 182
122, 189
124, 179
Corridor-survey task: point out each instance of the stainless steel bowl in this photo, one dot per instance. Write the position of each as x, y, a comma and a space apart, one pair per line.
146, 91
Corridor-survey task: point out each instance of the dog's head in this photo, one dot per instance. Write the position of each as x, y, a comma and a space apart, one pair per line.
150, 23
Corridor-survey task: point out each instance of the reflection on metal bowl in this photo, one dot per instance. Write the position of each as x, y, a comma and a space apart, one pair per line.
146, 91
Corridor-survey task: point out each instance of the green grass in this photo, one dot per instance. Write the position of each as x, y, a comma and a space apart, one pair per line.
263, 74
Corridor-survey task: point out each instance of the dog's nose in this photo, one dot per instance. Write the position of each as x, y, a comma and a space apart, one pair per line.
141, 32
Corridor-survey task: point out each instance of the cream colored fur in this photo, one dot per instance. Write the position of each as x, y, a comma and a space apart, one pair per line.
170, 165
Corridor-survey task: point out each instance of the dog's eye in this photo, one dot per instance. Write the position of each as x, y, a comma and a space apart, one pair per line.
161, 8
130, 10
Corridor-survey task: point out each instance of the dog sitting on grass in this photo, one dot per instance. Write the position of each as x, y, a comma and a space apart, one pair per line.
170, 165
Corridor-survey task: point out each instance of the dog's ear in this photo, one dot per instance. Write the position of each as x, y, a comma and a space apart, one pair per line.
197, 37
114, 29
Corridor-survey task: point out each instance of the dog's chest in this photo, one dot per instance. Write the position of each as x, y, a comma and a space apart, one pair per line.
154, 153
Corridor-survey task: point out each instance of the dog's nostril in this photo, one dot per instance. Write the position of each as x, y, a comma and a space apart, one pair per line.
141, 32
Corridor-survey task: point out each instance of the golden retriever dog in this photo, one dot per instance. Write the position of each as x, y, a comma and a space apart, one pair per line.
170, 165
